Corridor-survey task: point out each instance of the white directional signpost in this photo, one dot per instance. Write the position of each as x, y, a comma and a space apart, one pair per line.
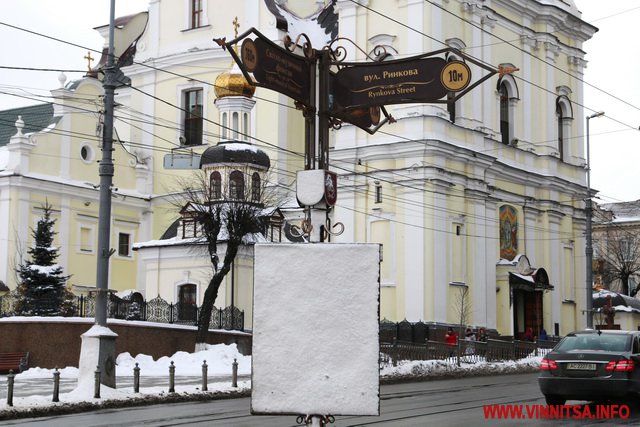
316, 324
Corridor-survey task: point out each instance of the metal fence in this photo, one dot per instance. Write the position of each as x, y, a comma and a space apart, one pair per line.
155, 310
422, 341
470, 351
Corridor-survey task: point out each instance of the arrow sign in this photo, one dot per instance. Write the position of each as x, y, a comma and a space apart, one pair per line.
268, 65
397, 82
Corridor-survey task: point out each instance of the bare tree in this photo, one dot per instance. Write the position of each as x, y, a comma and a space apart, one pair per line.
217, 218
618, 258
462, 309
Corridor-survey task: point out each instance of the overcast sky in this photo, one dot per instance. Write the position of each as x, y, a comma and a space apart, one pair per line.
611, 78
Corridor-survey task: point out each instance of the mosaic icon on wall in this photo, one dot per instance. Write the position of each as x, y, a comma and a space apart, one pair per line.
508, 232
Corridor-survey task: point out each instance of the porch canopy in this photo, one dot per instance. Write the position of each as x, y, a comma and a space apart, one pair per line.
536, 280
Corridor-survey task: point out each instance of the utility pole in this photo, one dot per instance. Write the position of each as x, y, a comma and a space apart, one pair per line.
98, 344
588, 246
106, 179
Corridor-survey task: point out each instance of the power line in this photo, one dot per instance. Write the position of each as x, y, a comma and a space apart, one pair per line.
279, 148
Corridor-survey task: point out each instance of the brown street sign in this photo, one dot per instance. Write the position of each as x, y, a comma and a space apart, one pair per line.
277, 69
396, 82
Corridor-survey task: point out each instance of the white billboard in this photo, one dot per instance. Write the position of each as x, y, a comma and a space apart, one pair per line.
315, 329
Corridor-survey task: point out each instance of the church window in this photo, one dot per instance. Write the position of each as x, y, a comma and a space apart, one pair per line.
215, 185
378, 193
193, 117
255, 187
189, 228
187, 308
124, 248
225, 125
196, 14
235, 125
236, 185
245, 126
564, 118
560, 131
504, 113
87, 153
86, 239
508, 94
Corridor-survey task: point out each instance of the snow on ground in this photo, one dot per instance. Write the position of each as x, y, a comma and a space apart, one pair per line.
219, 360
443, 368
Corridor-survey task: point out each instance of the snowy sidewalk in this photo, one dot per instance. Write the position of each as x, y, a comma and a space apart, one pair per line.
41, 386
33, 389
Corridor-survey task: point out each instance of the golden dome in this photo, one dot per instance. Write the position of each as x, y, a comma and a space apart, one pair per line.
233, 83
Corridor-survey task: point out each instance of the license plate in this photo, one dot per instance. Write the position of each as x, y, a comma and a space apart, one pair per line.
582, 366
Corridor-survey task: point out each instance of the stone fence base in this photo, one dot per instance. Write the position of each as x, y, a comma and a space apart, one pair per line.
55, 342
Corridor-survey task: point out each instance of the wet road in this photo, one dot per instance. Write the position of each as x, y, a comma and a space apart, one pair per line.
458, 402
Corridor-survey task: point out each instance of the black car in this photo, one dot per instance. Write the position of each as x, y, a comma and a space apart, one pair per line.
592, 365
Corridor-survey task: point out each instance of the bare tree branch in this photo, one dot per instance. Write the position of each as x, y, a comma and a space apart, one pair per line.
216, 215
618, 257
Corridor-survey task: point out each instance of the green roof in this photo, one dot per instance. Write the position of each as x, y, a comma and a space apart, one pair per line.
35, 117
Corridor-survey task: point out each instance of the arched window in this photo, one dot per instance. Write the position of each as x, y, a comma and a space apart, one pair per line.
235, 125
225, 125
245, 127
187, 308
504, 113
215, 185
563, 117
508, 92
255, 187
236, 185
559, 115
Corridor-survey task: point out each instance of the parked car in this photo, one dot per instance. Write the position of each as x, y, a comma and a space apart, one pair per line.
592, 365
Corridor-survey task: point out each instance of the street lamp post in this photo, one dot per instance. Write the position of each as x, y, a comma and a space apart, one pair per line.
589, 247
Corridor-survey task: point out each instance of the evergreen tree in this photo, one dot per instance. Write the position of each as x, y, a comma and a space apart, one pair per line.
42, 282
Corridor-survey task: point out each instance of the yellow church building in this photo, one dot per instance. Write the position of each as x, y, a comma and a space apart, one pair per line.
482, 195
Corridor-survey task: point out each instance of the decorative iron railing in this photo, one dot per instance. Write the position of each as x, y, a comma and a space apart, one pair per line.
470, 351
155, 310
424, 341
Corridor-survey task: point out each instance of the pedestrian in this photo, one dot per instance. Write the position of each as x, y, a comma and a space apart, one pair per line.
451, 338
482, 335
470, 338
528, 335
543, 335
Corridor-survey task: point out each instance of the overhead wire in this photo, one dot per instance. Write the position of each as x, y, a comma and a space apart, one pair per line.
208, 84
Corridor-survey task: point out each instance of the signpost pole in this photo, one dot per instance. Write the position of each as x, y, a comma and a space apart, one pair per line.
323, 109
310, 123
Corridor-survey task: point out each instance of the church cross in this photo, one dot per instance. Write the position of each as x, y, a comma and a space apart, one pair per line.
89, 58
236, 25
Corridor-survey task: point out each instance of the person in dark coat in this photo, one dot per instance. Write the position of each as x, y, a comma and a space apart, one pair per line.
528, 335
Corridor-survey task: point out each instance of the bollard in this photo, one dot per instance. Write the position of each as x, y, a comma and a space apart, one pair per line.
56, 386
204, 375
234, 373
172, 378
136, 379
96, 384
10, 379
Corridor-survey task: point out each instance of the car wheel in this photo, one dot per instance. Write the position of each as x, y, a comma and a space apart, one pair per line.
554, 400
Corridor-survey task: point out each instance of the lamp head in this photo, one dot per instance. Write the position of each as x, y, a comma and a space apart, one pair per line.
594, 115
